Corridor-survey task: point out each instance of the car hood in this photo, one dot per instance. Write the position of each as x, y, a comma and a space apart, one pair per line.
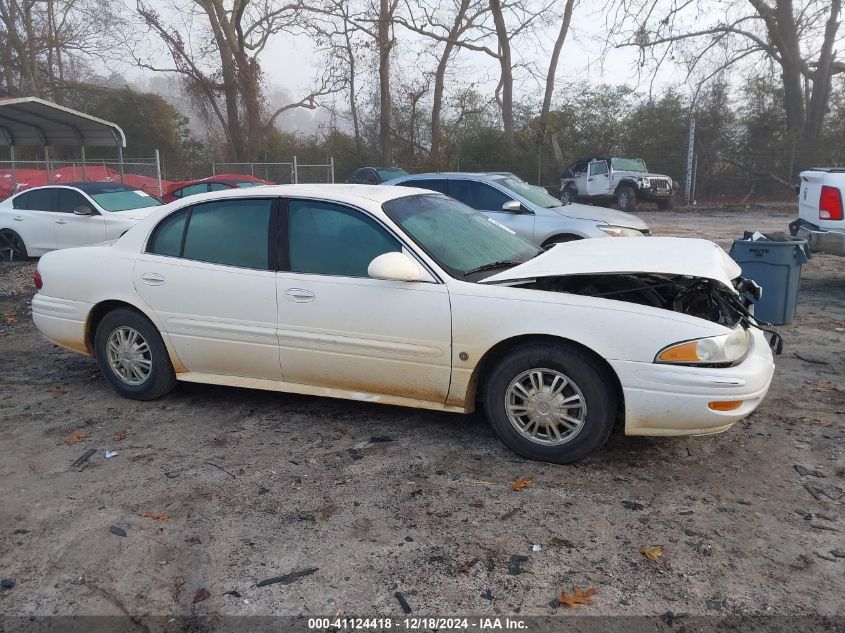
135, 214
625, 255
637, 174
602, 214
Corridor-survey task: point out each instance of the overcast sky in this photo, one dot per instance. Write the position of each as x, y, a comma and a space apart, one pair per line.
291, 64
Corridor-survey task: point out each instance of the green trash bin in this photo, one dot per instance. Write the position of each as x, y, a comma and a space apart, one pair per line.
775, 264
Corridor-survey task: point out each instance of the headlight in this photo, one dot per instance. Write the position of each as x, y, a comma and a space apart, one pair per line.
645, 183
619, 231
728, 349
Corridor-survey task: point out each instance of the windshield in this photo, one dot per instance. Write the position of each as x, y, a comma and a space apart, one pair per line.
534, 194
457, 237
389, 174
628, 164
124, 200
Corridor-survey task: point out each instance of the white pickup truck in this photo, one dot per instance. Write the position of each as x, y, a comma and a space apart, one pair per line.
820, 210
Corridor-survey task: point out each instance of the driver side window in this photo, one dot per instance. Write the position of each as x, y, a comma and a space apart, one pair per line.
478, 195
328, 239
598, 168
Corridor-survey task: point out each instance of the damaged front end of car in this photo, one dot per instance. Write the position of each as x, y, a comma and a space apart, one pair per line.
689, 276
703, 298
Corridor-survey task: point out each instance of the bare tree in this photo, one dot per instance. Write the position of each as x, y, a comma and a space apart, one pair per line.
566, 19
426, 18
43, 43
227, 69
799, 36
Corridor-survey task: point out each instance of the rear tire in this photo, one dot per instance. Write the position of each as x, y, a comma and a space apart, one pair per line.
132, 356
540, 424
12, 246
626, 198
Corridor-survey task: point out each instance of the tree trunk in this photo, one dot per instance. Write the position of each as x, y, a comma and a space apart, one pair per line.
822, 76
550, 76
353, 104
385, 43
506, 71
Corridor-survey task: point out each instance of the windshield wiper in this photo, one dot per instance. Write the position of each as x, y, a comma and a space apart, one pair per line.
490, 266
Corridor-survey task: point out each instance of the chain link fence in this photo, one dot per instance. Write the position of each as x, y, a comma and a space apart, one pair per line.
142, 173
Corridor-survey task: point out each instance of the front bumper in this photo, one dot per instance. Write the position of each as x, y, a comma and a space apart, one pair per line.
820, 240
673, 400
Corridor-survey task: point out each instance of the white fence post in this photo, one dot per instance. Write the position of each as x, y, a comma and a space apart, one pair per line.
690, 154
332, 164
158, 173
295, 172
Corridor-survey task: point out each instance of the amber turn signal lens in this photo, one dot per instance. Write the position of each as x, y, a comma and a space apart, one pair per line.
730, 405
684, 353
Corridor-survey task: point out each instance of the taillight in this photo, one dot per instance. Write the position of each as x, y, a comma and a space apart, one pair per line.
37, 279
830, 204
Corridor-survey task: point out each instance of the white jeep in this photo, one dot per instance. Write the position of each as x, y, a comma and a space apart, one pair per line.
625, 180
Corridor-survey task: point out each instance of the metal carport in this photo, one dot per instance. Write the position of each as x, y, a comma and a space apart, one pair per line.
34, 122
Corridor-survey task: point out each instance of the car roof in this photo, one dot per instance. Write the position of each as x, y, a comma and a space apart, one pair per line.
91, 188
342, 192
459, 174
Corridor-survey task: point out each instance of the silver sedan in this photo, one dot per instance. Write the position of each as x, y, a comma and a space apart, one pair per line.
527, 209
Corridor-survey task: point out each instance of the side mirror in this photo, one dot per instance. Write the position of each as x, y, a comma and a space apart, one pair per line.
512, 206
395, 267
83, 210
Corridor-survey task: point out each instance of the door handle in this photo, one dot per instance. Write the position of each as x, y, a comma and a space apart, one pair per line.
589, 180
152, 279
299, 295
18, 218
61, 221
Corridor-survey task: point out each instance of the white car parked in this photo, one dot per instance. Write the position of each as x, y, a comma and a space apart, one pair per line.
407, 297
43, 219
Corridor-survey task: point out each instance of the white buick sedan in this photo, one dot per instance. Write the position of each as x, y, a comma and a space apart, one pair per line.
407, 297
43, 219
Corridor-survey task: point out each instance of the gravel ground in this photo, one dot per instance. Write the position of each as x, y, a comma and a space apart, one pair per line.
218, 489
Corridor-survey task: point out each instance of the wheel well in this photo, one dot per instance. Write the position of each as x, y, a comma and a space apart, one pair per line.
561, 237
624, 183
96, 315
501, 349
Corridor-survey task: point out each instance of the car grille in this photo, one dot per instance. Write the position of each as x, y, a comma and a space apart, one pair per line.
661, 184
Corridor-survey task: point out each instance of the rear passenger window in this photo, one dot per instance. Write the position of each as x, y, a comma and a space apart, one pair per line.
231, 232
42, 199
21, 201
167, 238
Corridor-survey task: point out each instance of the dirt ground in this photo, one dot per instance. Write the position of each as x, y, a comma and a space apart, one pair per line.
256, 485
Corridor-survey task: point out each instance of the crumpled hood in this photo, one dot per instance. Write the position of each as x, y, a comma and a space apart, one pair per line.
602, 214
621, 255
638, 174
136, 214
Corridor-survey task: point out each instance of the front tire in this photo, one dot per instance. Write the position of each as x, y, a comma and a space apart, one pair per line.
551, 402
626, 198
569, 195
666, 205
132, 356
12, 245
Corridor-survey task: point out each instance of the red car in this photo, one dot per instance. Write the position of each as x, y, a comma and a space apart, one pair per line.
179, 190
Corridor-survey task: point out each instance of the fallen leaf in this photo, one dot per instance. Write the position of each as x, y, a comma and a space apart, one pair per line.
578, 597
522, 483
319, 477
120, 436
10, 318
75, 438
821, 422
155, 516
652, 553
822, 386
340, 429
202, 594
